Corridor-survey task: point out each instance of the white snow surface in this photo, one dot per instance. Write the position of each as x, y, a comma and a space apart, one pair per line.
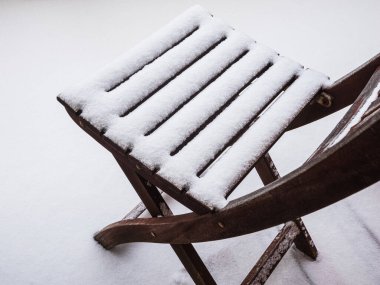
58, 186
195, 77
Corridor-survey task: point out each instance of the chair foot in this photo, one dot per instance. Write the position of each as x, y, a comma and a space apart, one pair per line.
105, 242
304, 242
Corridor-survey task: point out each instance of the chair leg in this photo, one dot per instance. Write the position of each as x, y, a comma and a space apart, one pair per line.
304, 242
272, 255
268, 173
157, 206
293, 231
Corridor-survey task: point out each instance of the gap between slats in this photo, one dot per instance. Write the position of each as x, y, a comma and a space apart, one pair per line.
214, 78
220, 110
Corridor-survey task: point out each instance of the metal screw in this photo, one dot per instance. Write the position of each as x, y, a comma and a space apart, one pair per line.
220, 224
325, 100
152, 234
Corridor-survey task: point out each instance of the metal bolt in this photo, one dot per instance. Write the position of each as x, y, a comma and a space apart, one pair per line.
152, 234
324, 100
138, 167
220, 224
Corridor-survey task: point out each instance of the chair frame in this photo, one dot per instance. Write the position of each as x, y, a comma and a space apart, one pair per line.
282, 200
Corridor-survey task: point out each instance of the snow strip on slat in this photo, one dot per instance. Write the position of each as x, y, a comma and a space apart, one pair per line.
126, 130
179, 99
214, 185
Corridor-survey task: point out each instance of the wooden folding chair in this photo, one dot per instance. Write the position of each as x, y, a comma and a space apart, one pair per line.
194, 108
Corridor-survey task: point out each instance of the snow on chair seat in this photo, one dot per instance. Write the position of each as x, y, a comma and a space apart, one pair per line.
198, 103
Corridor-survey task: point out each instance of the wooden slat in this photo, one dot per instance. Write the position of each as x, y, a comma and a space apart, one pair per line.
358, 104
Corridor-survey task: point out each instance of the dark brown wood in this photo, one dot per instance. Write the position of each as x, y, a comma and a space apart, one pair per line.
358, 104
353, 83
272, 255
268, 174
186, 252
134, 165
343, 92
267, 170
157, 206
304, 242
335, 174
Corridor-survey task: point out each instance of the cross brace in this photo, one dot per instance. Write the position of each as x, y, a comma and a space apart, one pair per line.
293, 231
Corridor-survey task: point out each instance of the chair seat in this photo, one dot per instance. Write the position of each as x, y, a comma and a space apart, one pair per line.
198, 103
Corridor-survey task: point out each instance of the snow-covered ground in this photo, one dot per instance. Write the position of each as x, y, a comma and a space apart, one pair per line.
58, 186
